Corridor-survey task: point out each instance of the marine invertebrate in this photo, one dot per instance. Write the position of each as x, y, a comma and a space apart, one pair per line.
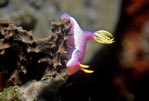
78, 40
45, 63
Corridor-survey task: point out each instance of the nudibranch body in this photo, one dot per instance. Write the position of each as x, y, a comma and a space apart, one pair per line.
78, 40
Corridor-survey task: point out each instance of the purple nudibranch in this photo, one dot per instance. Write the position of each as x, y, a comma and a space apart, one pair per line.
78, 40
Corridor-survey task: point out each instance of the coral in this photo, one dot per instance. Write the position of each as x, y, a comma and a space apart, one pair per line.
23, 59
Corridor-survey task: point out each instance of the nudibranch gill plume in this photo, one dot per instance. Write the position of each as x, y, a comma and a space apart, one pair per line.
78, 40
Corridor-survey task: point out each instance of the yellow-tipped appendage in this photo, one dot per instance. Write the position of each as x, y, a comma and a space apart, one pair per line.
104, 37
83, 68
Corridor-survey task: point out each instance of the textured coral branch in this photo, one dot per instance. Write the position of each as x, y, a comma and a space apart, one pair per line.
23, 59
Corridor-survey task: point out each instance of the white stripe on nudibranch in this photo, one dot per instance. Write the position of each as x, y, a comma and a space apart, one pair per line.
78, 41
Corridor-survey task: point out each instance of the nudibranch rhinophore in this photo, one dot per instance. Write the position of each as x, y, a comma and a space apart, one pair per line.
78, 40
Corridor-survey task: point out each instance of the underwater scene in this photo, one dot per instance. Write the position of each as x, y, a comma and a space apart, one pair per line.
81, 50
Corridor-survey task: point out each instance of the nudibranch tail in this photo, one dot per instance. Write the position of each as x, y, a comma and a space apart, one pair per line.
103, 36
83, 68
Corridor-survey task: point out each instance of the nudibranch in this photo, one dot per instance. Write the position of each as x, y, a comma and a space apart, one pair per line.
78, 40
